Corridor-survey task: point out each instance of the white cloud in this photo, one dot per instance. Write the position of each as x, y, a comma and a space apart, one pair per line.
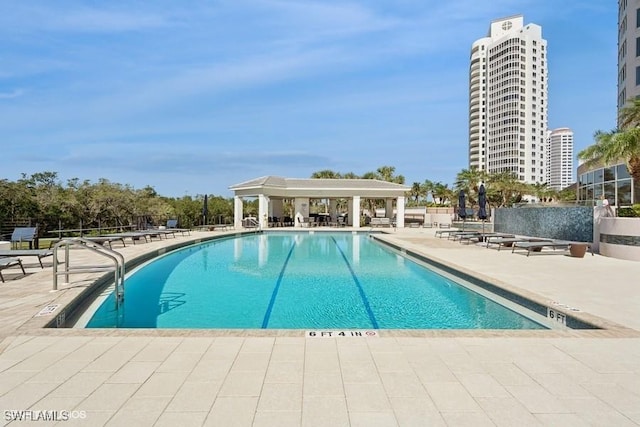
25, 17
13, 94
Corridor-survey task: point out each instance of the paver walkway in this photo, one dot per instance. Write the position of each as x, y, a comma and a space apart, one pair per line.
140, 377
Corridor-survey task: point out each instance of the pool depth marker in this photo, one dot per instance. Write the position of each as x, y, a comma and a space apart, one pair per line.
365, 301
267, 315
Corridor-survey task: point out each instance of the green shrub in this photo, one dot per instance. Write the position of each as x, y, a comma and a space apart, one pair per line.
632, 212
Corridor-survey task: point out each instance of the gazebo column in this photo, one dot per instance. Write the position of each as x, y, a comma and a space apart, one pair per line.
237, 212
301, 209
354, 216
276, 208
400, 212
263, 206
333, 209
388, 210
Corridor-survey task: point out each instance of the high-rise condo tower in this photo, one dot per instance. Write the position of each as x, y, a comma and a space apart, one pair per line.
508, 100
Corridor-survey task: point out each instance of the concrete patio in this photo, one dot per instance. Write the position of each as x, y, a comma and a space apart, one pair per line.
280, 378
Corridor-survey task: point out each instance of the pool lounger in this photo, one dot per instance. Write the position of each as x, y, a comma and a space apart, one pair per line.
10, 262
537, 246
154, 233
459, 235
443, 233
102, 240
133, 235
21, 253
509, 241
165, 232
184, 231
225, 227
481, 237
172, 225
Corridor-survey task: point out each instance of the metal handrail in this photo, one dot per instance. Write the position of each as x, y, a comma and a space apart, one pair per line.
250, 223
117, 258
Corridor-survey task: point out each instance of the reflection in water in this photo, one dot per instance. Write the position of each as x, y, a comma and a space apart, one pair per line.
299, 280
355, 251
263, 250
237, 249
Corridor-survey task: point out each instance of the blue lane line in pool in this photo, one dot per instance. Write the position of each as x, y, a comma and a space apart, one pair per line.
267, 315
365, 301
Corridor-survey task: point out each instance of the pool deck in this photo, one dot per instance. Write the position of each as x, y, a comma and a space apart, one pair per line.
279, 378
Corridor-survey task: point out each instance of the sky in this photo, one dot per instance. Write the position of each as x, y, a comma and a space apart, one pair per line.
191, 97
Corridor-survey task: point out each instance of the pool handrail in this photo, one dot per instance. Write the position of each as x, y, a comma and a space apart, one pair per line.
118, 268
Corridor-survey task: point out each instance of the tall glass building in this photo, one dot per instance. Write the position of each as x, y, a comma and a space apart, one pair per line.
628, 51
614, 182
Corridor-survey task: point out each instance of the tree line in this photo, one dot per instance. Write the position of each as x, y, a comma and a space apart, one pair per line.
503, 189
43, 200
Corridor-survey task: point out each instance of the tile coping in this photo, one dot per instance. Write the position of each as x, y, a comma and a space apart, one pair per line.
73, 299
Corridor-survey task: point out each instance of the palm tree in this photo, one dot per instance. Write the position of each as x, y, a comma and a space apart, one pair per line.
541, 191
327, 173
441, 193
416, 191
614, 146
370, 175
386, 173
468, 180
619, 144
427, 188
630, 115
505, 189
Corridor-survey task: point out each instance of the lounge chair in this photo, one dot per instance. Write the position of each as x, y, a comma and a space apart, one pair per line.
445, 233
10, 262
443, 220
151, 233
304, 222
509, 241
40, 253
106, 240
481, 237
459, 235
133, 235
172, 224
24, 234
380, 222
538, 246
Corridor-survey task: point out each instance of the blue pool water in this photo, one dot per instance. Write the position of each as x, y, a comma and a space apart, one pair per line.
300, 281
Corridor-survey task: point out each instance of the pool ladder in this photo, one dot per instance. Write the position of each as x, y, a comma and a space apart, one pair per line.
79, 242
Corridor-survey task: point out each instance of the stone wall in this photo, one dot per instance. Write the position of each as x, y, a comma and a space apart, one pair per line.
566, 223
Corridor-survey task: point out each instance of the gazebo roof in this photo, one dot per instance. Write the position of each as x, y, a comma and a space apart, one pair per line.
276, 186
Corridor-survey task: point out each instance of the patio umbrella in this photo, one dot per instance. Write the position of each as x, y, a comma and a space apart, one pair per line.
205, 210
482, 204
462, 208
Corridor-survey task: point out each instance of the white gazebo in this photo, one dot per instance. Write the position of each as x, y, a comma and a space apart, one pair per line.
272, 191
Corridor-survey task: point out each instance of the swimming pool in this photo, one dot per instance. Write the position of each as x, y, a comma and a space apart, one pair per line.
285, 280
